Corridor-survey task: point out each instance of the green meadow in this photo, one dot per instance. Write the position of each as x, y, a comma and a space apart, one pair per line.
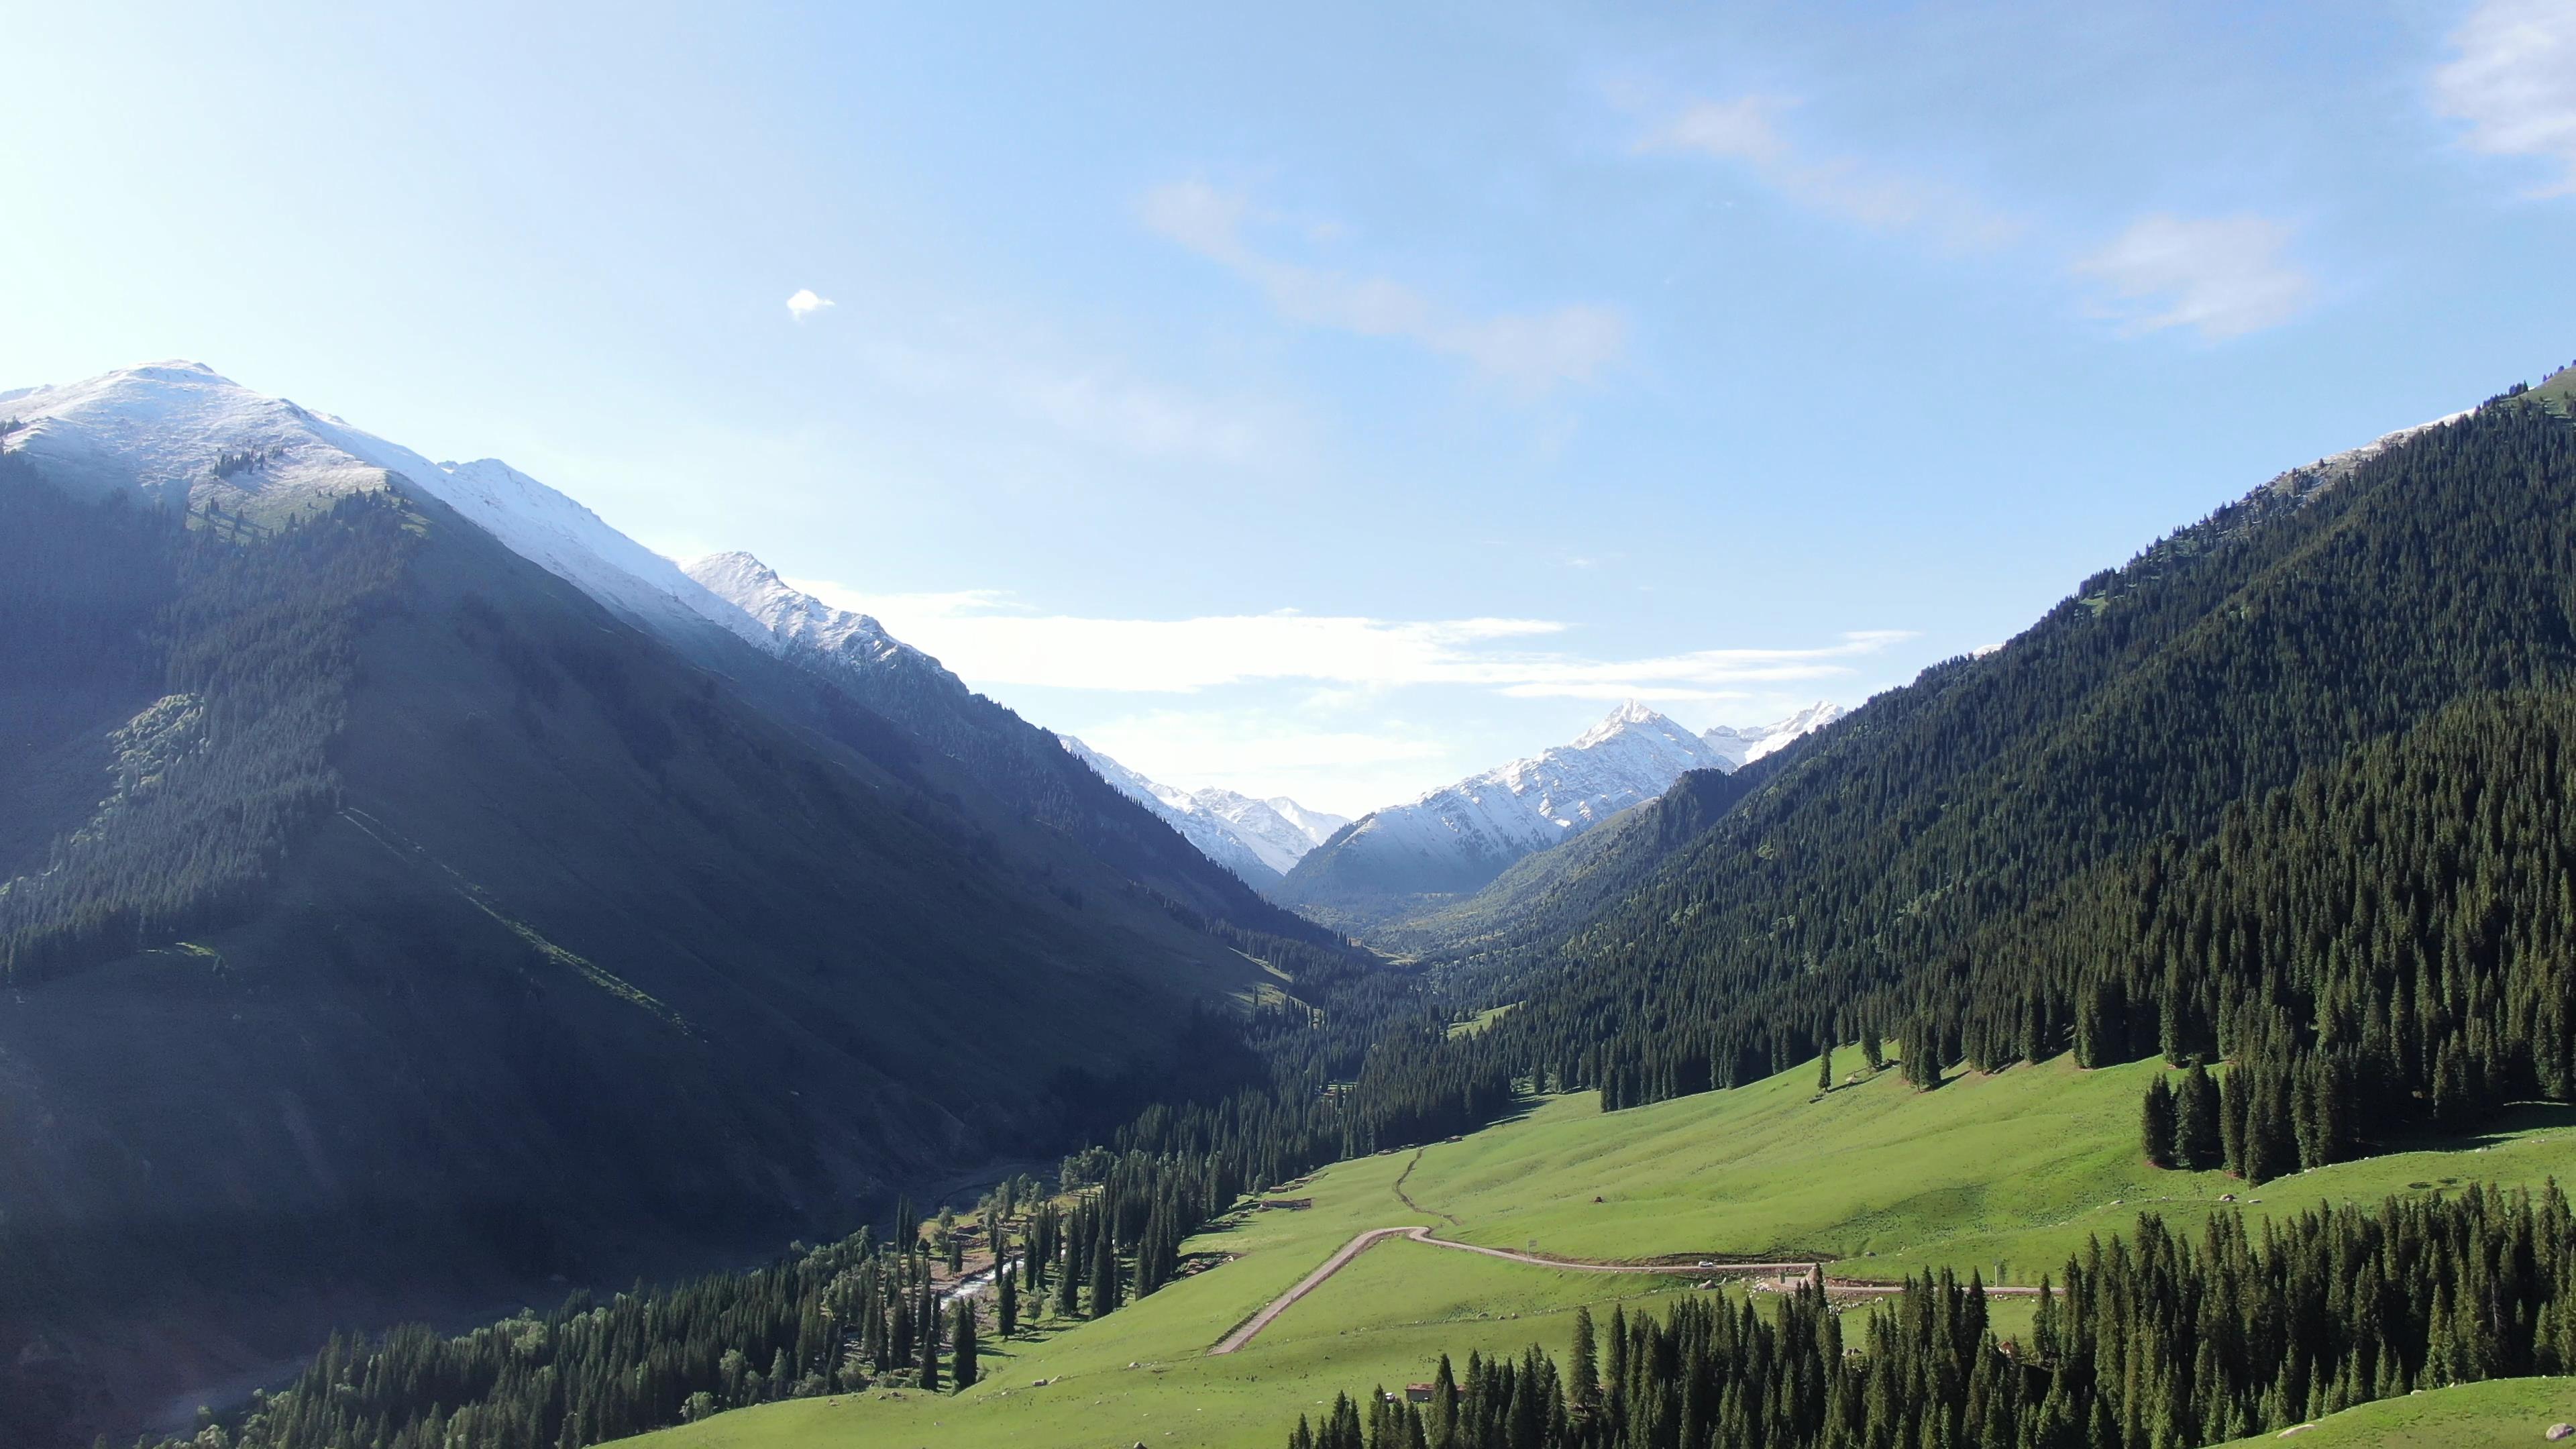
2490, 1415
2006, 1175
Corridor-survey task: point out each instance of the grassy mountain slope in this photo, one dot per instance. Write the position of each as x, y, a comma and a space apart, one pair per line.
2015, 1170
2345, 603
440, 935
2490, 1415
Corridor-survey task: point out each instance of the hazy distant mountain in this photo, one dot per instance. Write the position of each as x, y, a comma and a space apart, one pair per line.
1016, 761
1456, 839
1259, 840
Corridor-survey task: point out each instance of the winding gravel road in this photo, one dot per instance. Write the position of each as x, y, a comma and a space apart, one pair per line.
1778, 1276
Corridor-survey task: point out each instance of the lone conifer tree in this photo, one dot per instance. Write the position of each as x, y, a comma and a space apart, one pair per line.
1104, 1273
2156, 1122
929, 1347
1583, 1370
961, 1347
1006, 1288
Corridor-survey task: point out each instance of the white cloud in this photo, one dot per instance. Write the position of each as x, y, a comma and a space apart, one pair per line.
981, 636
1746, 131
1095, 402
806, 303
1530, 350
2512, 78
2221, 276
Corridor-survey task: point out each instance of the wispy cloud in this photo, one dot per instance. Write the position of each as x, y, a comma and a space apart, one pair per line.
2220, 276
982, 636
1532, 351
1746, 131
1094, 401
806, 303
2512, 78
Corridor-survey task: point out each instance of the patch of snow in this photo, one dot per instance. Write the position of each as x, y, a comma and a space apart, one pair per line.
1742, 745
1632, 756
180, 434
1231, 829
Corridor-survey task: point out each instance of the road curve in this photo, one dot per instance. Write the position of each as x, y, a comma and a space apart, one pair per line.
1334, 1264
1782, 1274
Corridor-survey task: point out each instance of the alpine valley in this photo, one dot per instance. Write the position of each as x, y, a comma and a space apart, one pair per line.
421, 901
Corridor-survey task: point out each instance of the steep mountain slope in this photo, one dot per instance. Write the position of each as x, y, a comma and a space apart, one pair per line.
1547, 894
1454, 840
1014, 760
393, 928
1259, 840
2341, 604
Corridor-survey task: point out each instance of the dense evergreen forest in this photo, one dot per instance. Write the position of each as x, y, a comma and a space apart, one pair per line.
226, 668
2155, 1343
1870, 884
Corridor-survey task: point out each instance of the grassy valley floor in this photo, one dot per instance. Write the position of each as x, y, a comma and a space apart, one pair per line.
2006, 1175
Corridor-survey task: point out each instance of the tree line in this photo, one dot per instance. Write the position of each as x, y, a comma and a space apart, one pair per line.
2152, 1342
2359, 670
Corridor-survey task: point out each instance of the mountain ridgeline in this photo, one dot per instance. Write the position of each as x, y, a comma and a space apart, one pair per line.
2047, 848
1015, 761
1422, 858
367, 877
396, 925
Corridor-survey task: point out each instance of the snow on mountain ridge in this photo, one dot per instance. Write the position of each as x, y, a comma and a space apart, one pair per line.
1457, 838
1740, 746
1632, 756
793, 616
1229, 828
180, 432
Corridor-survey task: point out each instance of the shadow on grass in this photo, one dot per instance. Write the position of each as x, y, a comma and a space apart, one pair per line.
2516, 1119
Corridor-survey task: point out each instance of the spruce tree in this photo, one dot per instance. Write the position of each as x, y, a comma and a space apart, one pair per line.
1006, 1289
2196, 1136
1583, 1373
929, 1348
961, 1350
1444, 1405
2156, 1122
1104, 1273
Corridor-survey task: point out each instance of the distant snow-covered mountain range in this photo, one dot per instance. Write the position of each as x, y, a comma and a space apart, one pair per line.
1460, 837
178, 432
1259, 840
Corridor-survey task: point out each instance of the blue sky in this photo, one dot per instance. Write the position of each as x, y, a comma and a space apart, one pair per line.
1335, 400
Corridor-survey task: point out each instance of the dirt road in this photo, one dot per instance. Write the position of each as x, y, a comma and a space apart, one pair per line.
1771, 1277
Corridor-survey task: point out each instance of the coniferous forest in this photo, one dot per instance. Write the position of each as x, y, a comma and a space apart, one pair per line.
2146, 1343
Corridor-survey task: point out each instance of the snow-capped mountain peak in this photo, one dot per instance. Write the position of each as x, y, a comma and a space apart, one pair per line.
1631, 756
1741, 745
1456, 839
1631, 714
179, 433
1259, 840
794, 617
